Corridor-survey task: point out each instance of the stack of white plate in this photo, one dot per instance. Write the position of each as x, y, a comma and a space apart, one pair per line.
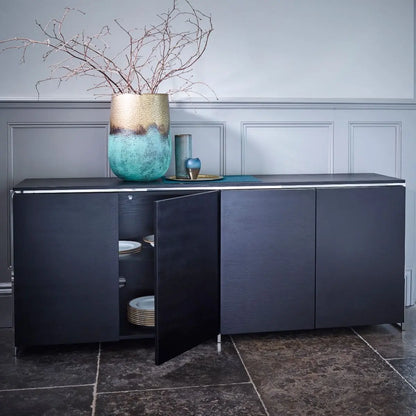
141, 311
129, 247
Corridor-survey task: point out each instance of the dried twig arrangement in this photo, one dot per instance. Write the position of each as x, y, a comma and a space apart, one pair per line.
151, 57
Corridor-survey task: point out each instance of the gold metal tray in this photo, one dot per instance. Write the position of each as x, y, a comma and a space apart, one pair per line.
199, 178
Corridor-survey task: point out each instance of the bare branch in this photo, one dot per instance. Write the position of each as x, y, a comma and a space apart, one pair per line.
151, 56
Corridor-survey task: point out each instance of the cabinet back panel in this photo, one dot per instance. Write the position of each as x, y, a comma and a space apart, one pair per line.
138, 270
136, 214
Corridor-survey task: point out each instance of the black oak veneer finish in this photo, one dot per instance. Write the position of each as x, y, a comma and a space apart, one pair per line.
268, 260
187, 273
273, 253
136, 213
360, 256
66, 268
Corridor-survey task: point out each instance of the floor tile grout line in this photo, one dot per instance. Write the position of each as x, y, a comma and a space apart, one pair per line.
67, 386
385, 360
249, 376
94, 392
173, 388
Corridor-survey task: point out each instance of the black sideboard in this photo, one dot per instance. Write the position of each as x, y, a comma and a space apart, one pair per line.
238, 255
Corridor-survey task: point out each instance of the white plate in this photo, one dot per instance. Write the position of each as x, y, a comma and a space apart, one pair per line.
146, 303
124, 245
150, 239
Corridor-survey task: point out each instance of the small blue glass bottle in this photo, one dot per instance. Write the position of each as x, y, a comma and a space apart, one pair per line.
193, 166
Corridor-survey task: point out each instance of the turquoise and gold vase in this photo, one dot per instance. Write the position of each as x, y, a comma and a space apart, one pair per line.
139, 145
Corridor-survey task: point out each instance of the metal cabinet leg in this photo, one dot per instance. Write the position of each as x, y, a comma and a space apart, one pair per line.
219, 343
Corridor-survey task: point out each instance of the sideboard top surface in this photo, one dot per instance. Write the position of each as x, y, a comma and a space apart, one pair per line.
233, 182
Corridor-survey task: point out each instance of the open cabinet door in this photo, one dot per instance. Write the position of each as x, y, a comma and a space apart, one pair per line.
187, 273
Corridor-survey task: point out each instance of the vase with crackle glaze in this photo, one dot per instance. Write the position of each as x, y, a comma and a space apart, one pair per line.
139, 144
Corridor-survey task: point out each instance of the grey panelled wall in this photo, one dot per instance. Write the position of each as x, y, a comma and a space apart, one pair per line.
61, 139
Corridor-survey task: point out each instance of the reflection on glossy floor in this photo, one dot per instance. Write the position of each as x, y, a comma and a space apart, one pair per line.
350, 371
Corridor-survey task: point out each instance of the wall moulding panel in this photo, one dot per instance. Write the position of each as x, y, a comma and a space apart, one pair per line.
287, 147
376, 145
56, 149
231, 138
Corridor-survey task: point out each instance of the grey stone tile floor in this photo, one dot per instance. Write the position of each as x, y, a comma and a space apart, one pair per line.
345, 371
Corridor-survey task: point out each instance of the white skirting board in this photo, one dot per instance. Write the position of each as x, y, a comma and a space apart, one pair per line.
409, 288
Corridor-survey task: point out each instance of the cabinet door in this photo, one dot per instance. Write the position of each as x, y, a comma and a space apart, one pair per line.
187, 275
267, 260
360, 256
66, 268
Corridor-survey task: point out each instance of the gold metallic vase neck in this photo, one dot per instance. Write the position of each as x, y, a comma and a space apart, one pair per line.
137, 112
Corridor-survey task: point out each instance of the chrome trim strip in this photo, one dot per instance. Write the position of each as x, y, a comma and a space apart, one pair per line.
78, 191
206, 188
